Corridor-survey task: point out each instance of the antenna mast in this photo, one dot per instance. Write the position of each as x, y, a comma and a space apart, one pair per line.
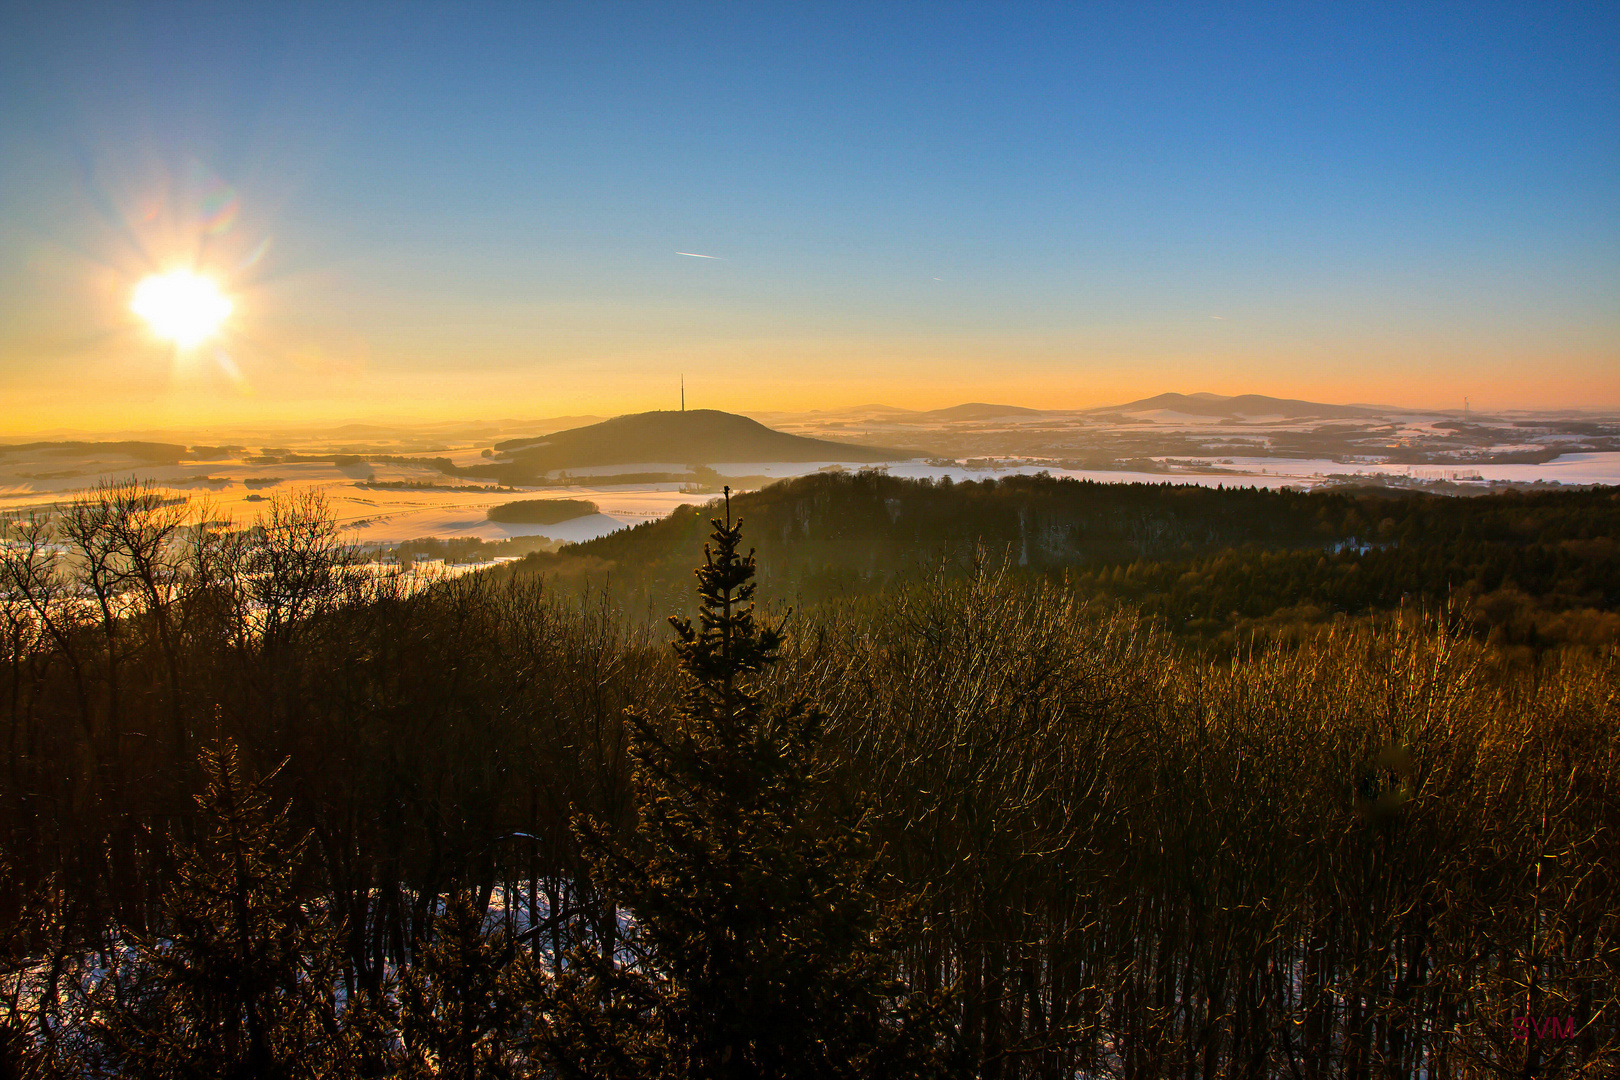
683, 392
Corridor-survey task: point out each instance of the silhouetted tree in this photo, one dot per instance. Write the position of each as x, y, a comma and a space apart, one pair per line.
752, 943
459, 1003
242, 980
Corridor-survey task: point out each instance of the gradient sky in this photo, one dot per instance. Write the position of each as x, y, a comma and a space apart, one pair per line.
447, 212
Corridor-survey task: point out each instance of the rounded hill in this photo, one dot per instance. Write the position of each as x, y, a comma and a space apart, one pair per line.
693, 437
1241, 405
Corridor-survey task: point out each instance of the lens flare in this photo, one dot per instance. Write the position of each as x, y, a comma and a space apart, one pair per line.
181, 306
228, 365
216, 203
219, 210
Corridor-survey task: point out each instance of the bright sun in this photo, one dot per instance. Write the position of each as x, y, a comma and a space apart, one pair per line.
181, 306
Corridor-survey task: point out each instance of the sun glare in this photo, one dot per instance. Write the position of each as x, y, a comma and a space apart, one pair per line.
181, 306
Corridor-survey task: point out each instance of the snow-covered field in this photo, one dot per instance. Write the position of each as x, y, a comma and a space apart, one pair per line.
1601, 468
1268, 472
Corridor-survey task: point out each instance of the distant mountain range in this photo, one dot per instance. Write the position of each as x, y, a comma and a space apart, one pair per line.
1241, 405
1201, 404
692, 437
973, 410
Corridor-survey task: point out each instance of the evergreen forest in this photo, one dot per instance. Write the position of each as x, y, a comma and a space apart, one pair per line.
1019, 779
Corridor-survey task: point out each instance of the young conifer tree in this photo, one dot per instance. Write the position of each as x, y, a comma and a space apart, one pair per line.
459, 1005
754, 944
242, 980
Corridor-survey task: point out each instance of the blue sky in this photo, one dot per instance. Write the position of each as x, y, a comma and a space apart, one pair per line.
426, 210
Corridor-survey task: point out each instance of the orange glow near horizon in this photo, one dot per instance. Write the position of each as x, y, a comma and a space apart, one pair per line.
379, 381
391, 336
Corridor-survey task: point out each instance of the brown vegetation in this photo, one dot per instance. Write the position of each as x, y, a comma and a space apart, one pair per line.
1356, 852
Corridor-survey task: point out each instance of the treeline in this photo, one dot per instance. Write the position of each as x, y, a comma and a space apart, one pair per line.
461, 549
276, 455
541, 511
1076, 846
1211, 562
154, 452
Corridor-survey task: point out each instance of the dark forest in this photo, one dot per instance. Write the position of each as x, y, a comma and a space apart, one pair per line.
1029, 778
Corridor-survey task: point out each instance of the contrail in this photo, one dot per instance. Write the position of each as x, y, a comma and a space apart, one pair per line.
695, 255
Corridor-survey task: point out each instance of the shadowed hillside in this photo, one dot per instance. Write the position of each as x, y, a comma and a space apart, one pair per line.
1208, 562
